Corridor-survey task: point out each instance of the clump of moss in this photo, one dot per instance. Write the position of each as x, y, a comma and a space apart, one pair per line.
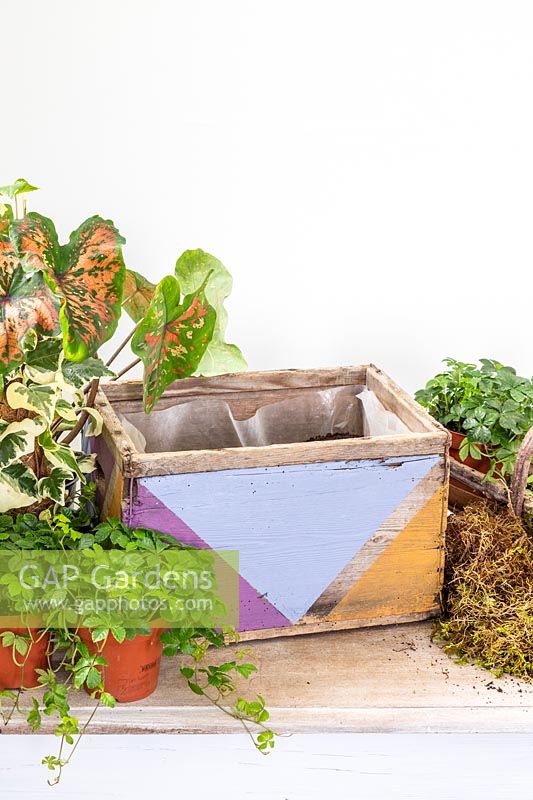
488, 597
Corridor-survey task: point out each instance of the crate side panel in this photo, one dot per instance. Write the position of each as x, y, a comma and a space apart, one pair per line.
296, 527
407, 576
431, 541
109, 477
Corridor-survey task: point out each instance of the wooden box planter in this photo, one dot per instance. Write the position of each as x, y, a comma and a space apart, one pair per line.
332, 534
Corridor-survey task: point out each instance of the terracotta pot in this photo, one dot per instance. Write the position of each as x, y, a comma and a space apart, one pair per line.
133, 665
13, 676
480, 464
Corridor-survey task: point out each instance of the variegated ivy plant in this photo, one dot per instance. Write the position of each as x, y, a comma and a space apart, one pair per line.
59, 303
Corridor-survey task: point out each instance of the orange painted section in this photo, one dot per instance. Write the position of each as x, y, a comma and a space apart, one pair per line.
405, 578
113, 499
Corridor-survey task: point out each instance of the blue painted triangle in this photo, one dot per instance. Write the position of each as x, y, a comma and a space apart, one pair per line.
295, 527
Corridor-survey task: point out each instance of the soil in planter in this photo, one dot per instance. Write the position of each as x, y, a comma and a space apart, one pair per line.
13, 676
329, 436
489, 590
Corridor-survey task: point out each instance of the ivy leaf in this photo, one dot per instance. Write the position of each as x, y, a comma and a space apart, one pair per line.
96, 423
45, 355
53, 485
18, 487
38, 398
193, 268
172, 337
66, 410
59, 455
21, 186
17, 439
87, 274
138, 293
80, 373
26, 303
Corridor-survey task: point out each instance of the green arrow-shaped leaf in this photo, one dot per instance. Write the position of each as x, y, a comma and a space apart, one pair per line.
193, 268
138, 293
20, 186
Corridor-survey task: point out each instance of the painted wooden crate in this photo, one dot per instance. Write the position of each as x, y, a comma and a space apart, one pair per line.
332, 534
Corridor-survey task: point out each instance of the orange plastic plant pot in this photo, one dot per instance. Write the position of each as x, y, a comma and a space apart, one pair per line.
23, 675
133, 665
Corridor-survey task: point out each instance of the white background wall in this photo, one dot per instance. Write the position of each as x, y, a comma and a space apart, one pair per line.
365, 169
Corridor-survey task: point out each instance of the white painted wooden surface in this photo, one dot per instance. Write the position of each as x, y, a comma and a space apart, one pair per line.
304, 767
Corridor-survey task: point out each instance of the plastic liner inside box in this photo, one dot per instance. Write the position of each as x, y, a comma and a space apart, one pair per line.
207, 423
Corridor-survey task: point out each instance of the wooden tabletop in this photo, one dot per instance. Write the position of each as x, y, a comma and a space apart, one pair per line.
383, 679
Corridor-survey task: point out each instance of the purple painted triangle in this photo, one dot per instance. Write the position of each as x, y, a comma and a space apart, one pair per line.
255, 612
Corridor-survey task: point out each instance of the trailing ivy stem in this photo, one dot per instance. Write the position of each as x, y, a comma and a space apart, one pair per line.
121, 347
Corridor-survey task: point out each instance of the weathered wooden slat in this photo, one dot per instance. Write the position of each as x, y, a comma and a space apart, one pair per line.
395, 399
468, 485
277, 455
245, 382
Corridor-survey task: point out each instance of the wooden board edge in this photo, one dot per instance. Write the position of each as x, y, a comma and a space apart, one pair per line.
397, 400
280, 455
201, 720
339, 625
468, 485
115, 430
245, 381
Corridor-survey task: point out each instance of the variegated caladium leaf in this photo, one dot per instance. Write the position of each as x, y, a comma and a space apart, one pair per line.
17, 439
18, 487
26, 303
87, 273
6, 215
137, 296
194, 267
173, 337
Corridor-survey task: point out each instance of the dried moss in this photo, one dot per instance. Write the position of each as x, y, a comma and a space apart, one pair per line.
489, 590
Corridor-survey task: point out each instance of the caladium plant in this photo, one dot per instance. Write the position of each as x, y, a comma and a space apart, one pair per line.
173, 337
59, 303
